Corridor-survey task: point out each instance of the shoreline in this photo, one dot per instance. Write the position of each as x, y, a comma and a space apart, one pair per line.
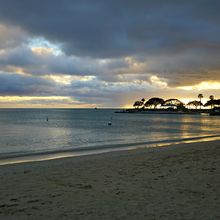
172, 182
83, 151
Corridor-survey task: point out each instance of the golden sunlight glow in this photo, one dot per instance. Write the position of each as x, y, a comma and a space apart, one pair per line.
41, 46
30, 98
67, 79
42, 102
17, 70
64, 79
87, 78
156, 81
187, 100
208, 85
43, 50
126, 106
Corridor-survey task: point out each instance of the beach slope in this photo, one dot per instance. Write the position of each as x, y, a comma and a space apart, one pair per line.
174, 182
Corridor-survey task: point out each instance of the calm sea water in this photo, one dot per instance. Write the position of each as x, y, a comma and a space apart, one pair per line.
28, 131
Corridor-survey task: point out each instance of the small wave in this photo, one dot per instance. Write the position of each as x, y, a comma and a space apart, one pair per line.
21, 157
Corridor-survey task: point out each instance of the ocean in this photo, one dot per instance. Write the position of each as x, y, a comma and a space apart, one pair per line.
27, 131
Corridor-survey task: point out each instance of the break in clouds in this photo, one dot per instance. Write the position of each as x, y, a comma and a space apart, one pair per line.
108, 52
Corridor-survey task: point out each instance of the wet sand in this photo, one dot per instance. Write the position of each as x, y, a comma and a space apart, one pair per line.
175, 182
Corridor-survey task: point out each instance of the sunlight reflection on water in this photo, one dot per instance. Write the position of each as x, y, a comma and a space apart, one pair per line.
27, 131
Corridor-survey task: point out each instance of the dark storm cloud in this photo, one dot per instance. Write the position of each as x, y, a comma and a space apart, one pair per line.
87, 92
37, 63
46, 62
118, 28
122, 43
13, 84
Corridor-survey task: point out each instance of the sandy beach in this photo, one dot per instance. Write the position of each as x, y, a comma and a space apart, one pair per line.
174, 182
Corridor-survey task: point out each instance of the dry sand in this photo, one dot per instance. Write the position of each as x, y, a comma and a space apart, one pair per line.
176, 182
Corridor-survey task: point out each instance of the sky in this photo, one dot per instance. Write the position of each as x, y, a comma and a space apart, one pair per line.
107, 53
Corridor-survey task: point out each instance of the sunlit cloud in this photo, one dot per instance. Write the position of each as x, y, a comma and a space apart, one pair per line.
109, 59
209, 85
11, 36
41, 102
156, 81
68, 79
16, 70
43, 46
9, 99
43, 50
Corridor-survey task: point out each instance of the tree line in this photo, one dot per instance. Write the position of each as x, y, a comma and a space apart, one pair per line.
171, 103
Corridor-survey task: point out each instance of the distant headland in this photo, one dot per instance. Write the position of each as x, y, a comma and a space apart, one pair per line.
158, 105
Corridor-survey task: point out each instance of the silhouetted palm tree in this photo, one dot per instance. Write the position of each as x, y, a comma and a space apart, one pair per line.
195, 104
143, 101
138, 104
173, 102
200, 96
154, 102
213, 102
180, 106
217, 102
211, 97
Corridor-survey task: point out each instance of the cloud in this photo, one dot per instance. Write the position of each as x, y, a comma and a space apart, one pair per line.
43, 61
11, 37
14, 84
117, 28
87, 90
125, 46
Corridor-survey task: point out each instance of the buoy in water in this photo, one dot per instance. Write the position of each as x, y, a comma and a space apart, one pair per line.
109, 123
